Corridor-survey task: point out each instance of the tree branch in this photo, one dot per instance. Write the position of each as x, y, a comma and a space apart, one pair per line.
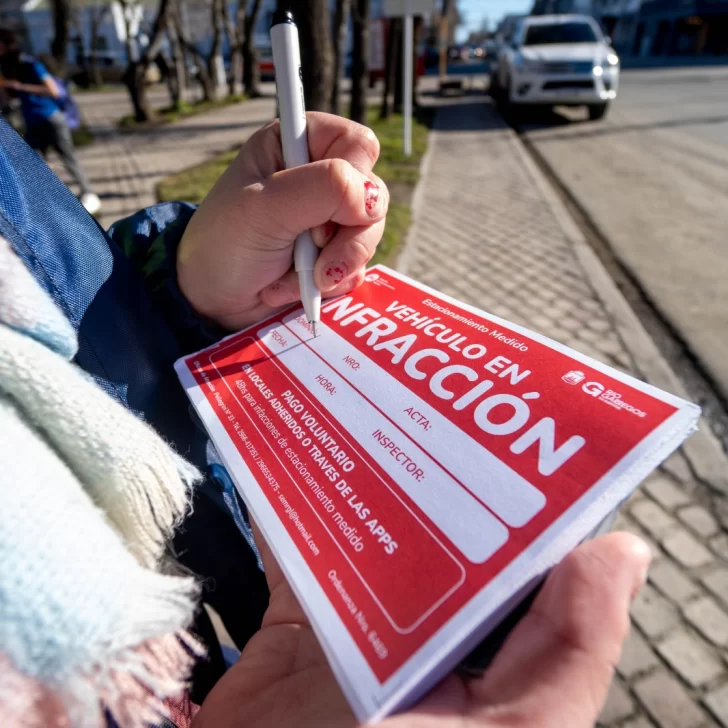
157, 34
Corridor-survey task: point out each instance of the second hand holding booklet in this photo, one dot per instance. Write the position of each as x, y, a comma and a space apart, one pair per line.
419, 466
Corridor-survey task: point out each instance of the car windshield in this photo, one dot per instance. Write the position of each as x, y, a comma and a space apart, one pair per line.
559, 33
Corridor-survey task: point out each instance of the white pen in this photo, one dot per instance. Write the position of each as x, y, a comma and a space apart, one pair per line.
292, 111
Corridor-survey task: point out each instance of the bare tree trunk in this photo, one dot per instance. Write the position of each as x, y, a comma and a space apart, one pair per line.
389, 67
236, 34
134, 80
61, 22
251, 70
215, 62
235, 87
177, 79
95, 70
98, 15
444, 20
398, 81
313, 24
207, 82
76, 38
205, 78
341, 26
417, 25
360, 61
136, 71
96, 78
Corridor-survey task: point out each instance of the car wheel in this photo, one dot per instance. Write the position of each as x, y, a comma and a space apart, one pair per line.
504, 95
511, 112
598, 111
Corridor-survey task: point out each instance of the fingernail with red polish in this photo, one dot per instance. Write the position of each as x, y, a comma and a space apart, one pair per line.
330, 229
334, 274
279, 294
371, 201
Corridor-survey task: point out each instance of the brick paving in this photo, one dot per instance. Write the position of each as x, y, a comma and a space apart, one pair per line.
499, 246
506, 253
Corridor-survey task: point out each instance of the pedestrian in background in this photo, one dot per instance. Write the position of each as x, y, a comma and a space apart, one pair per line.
42, 100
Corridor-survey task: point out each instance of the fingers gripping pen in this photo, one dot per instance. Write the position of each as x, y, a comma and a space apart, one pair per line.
294, 141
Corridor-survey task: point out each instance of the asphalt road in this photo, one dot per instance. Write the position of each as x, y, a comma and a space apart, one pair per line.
653, 178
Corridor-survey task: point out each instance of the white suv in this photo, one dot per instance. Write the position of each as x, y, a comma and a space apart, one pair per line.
559, 60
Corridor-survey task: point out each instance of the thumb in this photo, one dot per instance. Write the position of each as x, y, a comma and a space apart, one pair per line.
556, 667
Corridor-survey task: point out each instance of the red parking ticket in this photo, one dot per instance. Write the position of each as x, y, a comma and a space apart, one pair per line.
418, 465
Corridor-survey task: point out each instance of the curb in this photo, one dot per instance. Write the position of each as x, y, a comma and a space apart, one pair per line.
704, 454
404, 258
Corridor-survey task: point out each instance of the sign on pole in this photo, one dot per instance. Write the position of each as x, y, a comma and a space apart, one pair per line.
376, 61
407, 85
397, 8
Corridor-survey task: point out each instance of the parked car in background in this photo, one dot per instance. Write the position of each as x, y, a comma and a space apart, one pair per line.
458, 53
430, 57
490, 49
562, 60
506, 30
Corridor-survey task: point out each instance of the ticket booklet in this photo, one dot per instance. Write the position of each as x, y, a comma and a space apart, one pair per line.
419, 466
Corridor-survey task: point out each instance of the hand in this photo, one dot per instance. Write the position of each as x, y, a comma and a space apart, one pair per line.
9, 84
554, 670
234, 261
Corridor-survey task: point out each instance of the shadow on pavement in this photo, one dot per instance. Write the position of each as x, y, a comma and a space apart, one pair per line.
162, 145
100, 180
467, 93
181, 129
671, 62
117, 195
474, 111
552, 119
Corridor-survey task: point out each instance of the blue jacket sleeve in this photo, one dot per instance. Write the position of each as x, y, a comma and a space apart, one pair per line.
150, 239
40, 71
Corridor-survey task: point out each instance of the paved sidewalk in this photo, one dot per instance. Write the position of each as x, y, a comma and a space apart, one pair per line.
481, 214
125, 168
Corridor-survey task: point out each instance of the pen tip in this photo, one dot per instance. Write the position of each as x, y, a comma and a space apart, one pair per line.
313, 327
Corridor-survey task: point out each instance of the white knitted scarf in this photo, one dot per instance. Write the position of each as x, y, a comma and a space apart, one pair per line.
89, 498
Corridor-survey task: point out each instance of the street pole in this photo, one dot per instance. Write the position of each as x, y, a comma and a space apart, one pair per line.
407, 81
443, 38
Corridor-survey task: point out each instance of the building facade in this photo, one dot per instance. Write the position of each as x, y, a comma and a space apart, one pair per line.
683, 28
618, 18
12, 15
37, 24
196, 18
558, 7
669, 28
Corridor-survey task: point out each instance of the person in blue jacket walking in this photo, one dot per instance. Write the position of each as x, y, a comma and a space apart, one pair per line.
42, 99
